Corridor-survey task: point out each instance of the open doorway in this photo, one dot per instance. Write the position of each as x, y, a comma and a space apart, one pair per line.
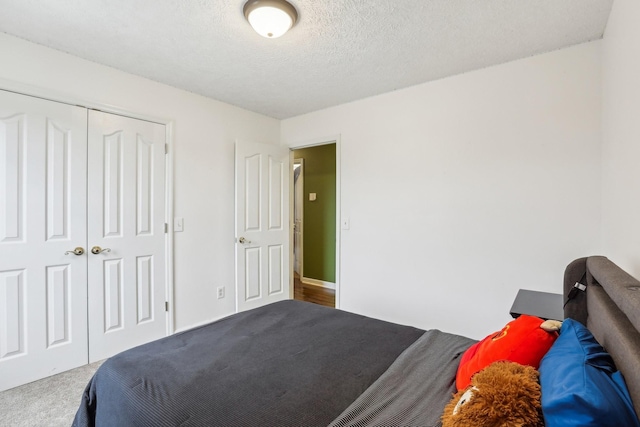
314, 224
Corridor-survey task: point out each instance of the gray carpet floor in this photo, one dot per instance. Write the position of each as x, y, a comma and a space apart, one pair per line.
50, 402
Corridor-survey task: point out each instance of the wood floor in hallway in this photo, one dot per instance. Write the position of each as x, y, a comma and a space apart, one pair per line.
312, 293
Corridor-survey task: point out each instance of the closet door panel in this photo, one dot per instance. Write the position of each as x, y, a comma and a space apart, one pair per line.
43, 293
126, 217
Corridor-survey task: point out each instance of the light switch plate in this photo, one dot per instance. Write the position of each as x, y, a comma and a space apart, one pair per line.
312, 197
178, 224
346, 223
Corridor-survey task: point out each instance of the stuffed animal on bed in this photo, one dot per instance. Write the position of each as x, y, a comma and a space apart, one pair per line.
504, 394
524, 340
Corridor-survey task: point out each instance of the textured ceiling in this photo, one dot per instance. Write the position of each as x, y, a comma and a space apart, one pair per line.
339, 51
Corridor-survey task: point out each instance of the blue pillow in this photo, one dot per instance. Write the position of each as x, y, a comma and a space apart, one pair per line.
580, 384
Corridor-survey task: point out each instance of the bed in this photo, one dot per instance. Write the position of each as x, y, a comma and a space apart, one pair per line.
298, 364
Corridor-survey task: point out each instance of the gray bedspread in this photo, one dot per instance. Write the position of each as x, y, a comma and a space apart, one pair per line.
415, 389
285, 364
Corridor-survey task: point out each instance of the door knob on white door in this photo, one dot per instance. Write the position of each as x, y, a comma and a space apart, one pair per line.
98, 250
243, 240
77, 251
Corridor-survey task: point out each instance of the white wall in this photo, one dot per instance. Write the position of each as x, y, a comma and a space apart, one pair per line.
463, 190
204, 135
621, 136
459, 191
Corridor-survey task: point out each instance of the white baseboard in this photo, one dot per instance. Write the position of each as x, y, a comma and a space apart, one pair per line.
320, 283
199, 324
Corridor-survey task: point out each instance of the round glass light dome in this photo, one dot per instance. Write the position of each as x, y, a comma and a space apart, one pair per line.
270, 18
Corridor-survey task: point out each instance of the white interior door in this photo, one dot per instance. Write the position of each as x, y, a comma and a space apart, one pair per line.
43, 292
126, 227
262, 224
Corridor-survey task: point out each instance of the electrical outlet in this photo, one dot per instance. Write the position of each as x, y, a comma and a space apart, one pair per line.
220, 292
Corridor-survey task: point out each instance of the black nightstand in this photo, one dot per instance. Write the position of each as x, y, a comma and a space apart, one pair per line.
544, 305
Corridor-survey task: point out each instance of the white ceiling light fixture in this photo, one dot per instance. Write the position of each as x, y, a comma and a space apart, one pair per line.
270, 18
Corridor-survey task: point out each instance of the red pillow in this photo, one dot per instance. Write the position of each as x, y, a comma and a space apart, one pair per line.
522, 340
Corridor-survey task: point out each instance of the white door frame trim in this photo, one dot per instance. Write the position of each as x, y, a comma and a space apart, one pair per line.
335, 139
301, 232
61, 97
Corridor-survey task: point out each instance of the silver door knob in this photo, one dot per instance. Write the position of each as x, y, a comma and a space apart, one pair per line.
77, 251
243, 240
98, 250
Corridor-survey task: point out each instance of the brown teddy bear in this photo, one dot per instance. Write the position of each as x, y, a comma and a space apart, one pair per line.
504, 394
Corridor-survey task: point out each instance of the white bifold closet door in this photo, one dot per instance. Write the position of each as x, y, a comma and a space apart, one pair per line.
43, 286
126, 222
73, 180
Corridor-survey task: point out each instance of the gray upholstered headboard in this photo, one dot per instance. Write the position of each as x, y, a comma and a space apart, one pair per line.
610, 308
